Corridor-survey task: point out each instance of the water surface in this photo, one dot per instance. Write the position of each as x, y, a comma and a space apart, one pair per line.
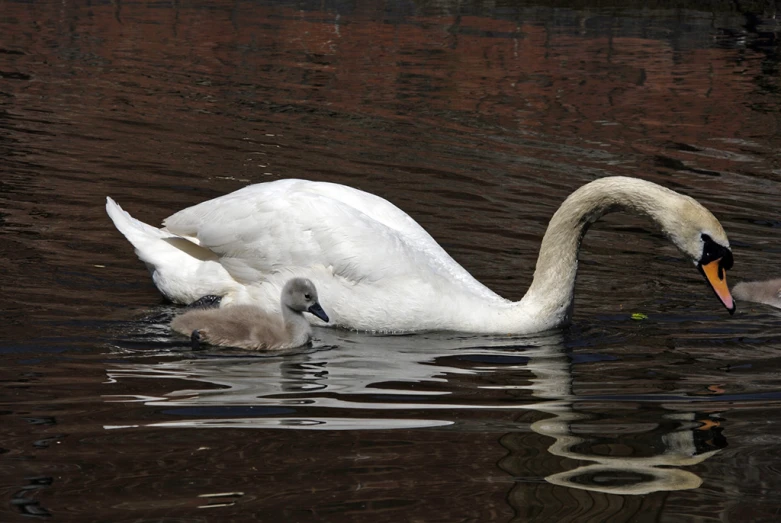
476, 119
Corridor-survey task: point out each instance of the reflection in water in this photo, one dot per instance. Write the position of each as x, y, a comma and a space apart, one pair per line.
630, 474
352, 386
676, 447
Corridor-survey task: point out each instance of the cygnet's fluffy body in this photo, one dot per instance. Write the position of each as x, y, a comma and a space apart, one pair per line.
250, 327
767, 292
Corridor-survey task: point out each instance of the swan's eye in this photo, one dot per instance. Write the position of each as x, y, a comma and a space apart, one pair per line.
307, 296
713, 251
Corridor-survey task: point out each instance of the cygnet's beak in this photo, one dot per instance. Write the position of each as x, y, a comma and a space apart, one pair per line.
318, 311
716, 275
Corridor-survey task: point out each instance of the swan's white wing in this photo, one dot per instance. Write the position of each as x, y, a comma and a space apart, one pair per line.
280, 226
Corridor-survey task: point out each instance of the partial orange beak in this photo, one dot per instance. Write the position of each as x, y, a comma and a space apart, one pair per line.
717, 277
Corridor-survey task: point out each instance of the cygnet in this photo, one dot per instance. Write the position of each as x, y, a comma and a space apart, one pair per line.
767, 292
250, 327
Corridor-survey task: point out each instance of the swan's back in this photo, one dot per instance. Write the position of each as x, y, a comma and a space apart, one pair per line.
302, 195
286, 224
242, 326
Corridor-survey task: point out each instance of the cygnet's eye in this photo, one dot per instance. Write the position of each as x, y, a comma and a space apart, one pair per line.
307, 296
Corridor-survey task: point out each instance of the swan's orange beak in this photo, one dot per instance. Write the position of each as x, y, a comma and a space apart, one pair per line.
717, 277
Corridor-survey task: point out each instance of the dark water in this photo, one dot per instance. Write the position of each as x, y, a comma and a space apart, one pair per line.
478, 120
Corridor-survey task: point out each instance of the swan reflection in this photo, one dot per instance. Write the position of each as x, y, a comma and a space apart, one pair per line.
522, 385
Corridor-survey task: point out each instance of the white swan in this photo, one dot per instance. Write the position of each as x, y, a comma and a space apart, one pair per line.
250, 327
378, 270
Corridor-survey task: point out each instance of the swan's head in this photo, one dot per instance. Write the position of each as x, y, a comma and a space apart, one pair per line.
698, 234
300, 295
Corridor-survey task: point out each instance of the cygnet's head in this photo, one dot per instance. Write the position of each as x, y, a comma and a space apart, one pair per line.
300, 295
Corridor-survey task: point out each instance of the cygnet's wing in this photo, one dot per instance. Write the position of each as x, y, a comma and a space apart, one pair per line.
242, 326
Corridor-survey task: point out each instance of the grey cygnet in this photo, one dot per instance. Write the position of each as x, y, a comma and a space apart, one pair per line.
767, 292
250, 327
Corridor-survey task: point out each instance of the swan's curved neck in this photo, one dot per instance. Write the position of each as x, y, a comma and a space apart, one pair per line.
550, 296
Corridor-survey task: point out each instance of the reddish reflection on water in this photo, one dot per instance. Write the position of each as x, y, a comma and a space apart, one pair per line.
478, 122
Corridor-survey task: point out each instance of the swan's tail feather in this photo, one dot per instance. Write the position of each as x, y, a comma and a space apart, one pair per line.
182, 270
147, 240
134, 230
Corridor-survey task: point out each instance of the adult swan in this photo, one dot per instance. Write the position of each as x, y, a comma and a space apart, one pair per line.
378, 270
